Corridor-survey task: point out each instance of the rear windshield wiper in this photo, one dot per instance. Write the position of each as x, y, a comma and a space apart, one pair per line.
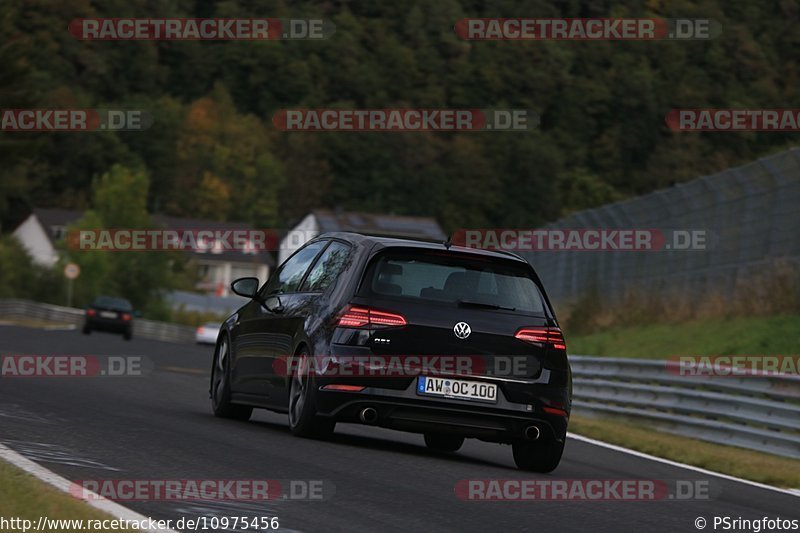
486, 305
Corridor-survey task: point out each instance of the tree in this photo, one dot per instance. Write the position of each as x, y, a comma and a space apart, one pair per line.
120, 202
220, 151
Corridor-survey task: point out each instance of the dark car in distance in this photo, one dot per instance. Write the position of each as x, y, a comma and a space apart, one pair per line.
362, 303
107, 313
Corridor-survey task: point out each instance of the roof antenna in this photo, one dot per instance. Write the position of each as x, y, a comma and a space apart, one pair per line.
448, 243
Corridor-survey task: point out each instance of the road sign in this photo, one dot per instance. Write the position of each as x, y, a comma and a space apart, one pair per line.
72, 271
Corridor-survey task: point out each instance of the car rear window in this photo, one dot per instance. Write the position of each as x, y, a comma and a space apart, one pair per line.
450, 277
112, 303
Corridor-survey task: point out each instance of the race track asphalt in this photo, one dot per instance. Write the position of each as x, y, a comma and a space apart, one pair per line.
160, 426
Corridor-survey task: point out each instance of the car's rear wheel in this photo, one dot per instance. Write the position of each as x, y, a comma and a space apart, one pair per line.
220, 387
443, 443
128, 335
303, 418
87, 330
537, 456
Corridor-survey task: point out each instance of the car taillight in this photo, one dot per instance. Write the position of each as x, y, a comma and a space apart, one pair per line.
363, 317
91, 312
554, 411
199, 330
543, 335
344, 388
126, 316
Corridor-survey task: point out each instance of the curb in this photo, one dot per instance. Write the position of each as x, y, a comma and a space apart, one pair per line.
63, 485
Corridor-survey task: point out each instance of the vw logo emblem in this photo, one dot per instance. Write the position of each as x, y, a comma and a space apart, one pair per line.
462, 330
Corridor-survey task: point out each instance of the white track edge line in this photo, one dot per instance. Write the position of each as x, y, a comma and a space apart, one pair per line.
790, 492
63, 484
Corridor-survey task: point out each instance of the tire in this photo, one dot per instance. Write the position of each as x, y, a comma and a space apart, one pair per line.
535, 456
443, 443
303, 418
128, 335
87, 330
221, 389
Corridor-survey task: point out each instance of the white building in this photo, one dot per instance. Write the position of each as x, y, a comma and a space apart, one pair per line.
40, 232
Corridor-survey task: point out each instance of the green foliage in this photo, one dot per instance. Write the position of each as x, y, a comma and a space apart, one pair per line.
21, 278
773, 335
16, 276
120, 198
213, 151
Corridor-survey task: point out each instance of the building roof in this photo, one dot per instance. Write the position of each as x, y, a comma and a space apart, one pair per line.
56, 217
379, 224
63, 217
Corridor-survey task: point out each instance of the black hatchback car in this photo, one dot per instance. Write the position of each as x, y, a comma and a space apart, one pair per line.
107, 313
446, 341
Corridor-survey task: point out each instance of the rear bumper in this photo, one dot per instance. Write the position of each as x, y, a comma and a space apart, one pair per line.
108, 324
405, 410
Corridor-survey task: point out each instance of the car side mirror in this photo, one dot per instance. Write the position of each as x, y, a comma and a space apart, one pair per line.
247, 287
273, 304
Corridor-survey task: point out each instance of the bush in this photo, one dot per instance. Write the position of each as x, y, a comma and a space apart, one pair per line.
21, 278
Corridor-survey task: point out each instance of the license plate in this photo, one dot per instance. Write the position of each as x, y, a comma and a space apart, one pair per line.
108, 314
457, 388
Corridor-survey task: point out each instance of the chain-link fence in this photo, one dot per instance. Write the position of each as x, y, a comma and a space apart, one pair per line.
750, 216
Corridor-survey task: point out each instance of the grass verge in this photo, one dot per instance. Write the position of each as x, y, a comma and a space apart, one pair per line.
756, 466
773, 335
23, 496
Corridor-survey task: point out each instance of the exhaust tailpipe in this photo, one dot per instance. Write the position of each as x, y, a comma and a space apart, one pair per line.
368, 415
532, 433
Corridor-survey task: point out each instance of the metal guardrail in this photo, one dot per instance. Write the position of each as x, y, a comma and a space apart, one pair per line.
147, 329
756, 412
